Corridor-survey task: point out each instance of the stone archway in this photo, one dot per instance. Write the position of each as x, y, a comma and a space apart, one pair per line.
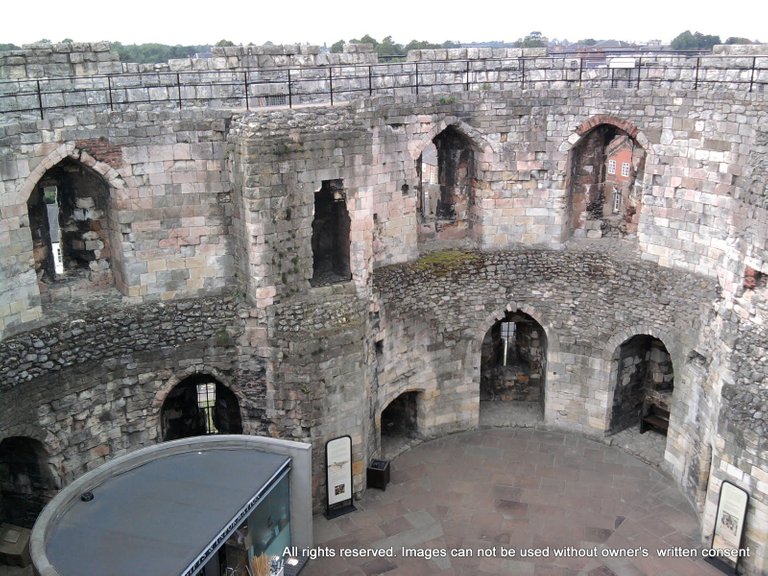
399, 424
447, 188
643, 378
199, 405
605, 172
26, 480
447, 162
70, 224
513, 368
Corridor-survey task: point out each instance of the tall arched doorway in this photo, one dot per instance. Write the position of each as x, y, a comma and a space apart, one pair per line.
644, 378
513, 369
26, 480
447, 187
200, 405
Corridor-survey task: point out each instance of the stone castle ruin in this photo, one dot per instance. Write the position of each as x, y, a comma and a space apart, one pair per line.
284, 242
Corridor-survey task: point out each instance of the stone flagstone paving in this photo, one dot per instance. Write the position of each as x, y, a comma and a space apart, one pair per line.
516, 489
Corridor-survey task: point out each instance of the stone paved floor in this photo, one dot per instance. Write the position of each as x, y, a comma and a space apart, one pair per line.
648, 447
512, 489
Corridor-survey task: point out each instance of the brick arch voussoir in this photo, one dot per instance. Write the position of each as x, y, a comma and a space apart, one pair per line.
593, 122
111, 176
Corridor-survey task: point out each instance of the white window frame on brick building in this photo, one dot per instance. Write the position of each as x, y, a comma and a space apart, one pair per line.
616, 200
625, 169
611, 166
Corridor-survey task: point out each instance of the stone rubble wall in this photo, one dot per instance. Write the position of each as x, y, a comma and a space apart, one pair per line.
47, 350
91, 386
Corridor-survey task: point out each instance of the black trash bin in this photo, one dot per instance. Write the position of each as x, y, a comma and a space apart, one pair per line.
378, 474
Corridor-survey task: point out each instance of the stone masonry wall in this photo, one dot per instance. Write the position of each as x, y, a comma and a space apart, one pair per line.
208, 200
88, 59
319, 375
255, 76
169, 204
604, 298
280, 161
740, 451
65, 59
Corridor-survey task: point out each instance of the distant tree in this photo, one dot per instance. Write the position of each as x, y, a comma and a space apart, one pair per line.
154, 53
8, 47
338, 46
451, 44
532, 40
587, 42
697, 41
737, 40
367, 39
67, 41
388, 48
420, 45
224, 43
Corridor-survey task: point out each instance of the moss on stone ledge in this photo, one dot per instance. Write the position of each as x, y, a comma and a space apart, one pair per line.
445, 261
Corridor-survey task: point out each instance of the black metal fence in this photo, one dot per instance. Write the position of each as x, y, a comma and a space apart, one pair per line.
258, 87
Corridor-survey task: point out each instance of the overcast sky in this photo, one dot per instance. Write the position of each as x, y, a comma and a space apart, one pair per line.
326, 21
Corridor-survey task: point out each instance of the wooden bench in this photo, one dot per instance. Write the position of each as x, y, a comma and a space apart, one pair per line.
654, 418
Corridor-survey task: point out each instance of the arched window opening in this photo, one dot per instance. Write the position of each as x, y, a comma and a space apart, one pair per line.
644, 385
399, 424
330, 235
197, 406
447, 182
26, 481
513, 369
69, 224
606, 173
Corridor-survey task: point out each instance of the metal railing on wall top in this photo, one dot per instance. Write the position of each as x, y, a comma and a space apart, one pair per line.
259, 87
